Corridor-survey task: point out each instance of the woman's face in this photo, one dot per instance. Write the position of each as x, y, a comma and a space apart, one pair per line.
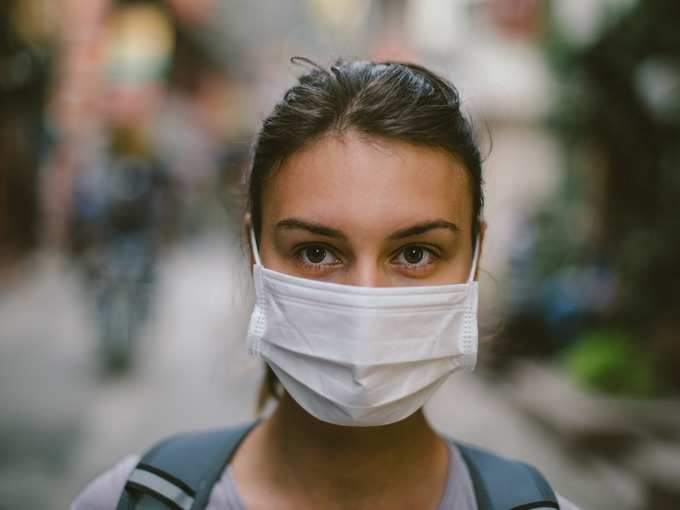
368, 212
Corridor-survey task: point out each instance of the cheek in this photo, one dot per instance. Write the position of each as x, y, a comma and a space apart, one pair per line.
454, 270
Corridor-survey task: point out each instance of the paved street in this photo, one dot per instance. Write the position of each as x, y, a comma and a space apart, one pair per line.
61, 423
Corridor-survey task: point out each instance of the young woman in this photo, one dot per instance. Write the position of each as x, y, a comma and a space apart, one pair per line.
365, 228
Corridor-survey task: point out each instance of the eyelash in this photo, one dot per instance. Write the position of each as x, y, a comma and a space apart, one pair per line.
429, 252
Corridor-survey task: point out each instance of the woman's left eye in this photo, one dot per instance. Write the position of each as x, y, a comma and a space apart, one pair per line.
414, 256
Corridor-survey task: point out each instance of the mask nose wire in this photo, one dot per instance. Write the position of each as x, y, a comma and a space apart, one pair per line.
253, 245
475, 260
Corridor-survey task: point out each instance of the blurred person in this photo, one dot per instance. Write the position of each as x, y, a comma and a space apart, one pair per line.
123, 197
365, 226
120, 203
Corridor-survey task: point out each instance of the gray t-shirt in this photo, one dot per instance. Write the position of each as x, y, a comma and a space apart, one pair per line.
103, 492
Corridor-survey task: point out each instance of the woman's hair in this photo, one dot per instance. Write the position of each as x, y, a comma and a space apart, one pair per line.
387, 100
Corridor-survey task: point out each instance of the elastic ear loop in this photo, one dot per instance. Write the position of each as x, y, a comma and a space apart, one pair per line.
253, 246
475, 260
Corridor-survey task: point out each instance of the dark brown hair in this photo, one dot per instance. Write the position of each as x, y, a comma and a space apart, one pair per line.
388, 100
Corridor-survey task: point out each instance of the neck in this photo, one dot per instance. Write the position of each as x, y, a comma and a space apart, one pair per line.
303, 433
360, 461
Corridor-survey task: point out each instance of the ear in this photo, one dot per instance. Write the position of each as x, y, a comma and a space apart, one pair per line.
482, 236
247, 225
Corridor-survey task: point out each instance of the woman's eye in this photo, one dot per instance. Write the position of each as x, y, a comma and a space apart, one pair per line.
415, 256
316, 255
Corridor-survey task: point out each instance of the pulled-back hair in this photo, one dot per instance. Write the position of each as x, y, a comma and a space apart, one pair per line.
389, 100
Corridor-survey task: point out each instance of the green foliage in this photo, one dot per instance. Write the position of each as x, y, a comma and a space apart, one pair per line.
618, 120
611, 361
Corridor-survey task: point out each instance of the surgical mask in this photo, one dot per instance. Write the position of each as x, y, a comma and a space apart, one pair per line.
361, 356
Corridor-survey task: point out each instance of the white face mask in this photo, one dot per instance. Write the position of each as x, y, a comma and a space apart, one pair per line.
361, 356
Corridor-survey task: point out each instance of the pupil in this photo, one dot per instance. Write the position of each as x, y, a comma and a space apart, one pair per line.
316, 254
413, 255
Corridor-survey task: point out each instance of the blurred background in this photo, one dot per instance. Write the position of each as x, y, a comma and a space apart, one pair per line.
125, 129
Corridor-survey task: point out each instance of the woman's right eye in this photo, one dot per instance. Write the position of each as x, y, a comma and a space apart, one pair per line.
316, 255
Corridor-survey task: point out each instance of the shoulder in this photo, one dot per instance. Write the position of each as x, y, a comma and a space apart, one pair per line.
488, 471
104, 491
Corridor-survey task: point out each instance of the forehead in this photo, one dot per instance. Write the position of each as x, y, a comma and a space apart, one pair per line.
350, 181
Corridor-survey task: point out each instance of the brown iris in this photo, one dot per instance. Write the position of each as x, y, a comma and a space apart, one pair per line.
315, 254
413, 254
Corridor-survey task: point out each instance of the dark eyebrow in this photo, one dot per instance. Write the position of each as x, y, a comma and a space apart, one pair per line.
421, 228
314, 228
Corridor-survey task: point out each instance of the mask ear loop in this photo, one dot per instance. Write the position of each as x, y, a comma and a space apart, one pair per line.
475, 260
253, 245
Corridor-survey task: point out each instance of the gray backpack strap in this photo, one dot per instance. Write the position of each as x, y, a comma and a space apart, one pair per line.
503, 484
179, 473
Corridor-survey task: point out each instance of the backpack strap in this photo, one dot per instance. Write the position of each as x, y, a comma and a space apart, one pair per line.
179, 472
504, 484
